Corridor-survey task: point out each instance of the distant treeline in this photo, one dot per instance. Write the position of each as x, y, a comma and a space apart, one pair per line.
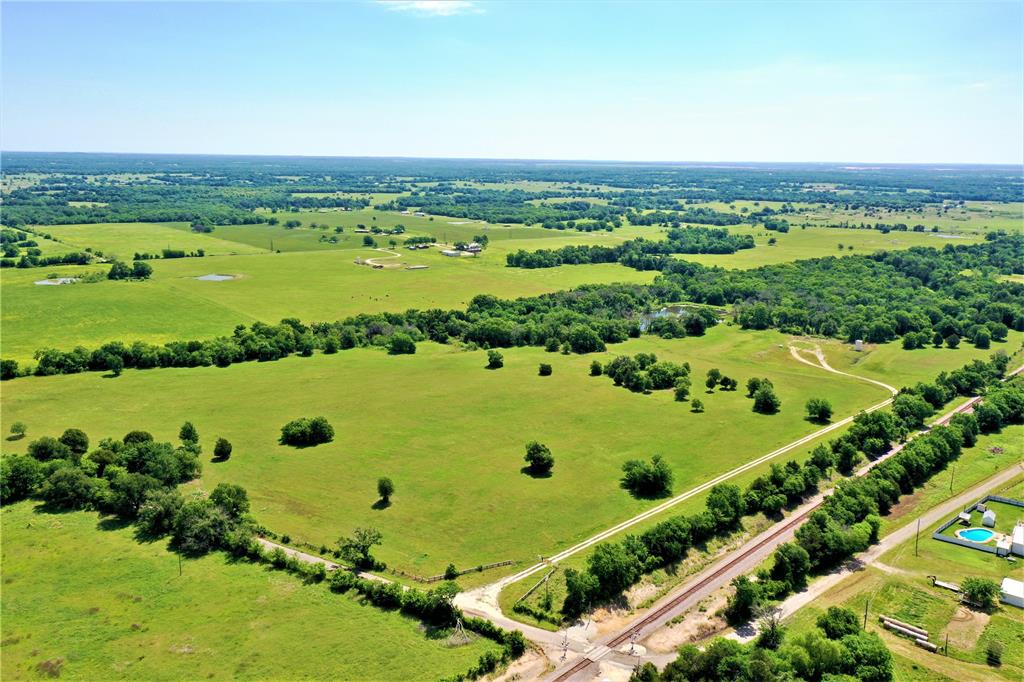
641, 254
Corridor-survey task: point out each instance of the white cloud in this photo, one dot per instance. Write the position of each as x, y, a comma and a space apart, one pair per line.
439, 8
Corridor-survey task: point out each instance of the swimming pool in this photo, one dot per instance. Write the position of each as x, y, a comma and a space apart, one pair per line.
975, 534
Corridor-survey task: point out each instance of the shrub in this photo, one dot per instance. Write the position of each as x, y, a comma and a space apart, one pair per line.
838, 622
765, 401
595, 369
401, 344
544, 370
47, 448
222, 450
697, 406
495, 360
819, 409
539, 458
76, 441
451, 573
981, 591
994, 653
306, 432
647, 480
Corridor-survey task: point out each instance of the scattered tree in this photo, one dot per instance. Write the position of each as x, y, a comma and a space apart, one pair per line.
819, 409
356, 548
538, 458
222, 450
544, 370
385, 489
495, 360
647, 480
981, 591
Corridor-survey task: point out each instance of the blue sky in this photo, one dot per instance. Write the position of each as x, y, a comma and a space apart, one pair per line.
727, 81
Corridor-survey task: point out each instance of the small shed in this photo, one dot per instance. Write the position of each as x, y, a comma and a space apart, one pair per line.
1012, 592
858, 345
451, 253
964, 518
1003, 545
989, 518
981, 507
1017, 544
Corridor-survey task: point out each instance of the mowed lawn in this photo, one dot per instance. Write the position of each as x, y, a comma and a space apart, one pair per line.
310, 285
451, 435
85, 596
124, 240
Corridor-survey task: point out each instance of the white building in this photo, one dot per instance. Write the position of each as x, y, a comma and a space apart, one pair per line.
858, 345
1017, 545
989, 518
1012, 592
451, 253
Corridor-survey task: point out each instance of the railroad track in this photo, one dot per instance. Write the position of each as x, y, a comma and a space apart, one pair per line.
577, 667
657, 615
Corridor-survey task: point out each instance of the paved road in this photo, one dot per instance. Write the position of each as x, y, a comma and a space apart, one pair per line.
740, 561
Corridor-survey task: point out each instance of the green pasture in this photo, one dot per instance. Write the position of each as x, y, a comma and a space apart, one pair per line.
888, 362
817, 242
456, 463
83, 591
123, 240
313, 286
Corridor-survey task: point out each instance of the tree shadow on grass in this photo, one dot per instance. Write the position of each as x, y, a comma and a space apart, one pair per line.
16, 436
380, 505
535, 474
817, 421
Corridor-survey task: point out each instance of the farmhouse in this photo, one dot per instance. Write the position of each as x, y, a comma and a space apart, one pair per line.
989, 518
473, 247
1012, 592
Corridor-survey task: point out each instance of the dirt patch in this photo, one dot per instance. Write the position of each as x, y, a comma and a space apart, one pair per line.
697, 624
50, 668
965, 627
529, 666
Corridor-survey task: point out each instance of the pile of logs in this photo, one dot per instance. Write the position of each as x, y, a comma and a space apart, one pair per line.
919, 635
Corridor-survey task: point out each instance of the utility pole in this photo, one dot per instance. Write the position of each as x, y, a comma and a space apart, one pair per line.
866, 602
179, 564
952, 469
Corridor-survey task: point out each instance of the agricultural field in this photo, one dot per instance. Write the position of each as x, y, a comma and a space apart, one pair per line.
123, 240
313, 286
408, 421
125, 612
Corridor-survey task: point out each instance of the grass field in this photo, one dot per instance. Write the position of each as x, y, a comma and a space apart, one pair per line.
313, 286
816, 242
84, 592
461, 496
123, 240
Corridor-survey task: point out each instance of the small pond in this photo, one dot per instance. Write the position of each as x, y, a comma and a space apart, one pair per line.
56, 282
215, 278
